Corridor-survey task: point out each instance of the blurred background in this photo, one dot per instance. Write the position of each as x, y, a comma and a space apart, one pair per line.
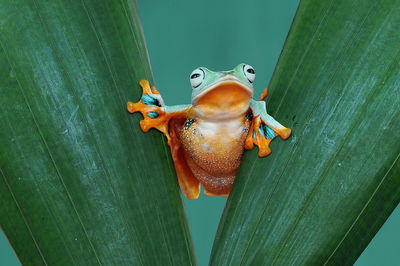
182, 35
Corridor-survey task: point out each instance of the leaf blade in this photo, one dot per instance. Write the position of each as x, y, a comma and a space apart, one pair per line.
331, 79
90, 184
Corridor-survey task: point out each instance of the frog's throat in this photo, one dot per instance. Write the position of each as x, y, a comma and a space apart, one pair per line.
224, 80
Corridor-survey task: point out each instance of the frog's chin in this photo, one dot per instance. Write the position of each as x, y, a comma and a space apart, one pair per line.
226, 98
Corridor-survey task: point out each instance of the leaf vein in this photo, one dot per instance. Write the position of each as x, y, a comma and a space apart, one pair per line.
326, 170
23, 218
362, 210
117, 88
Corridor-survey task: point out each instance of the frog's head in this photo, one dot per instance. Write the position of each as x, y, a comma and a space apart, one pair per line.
225, 94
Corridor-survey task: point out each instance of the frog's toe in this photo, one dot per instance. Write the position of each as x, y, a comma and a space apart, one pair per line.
132, 107
145, 86
208, 193
155, 118
263, 146
148, 111
264, 94
249, 143
284, 133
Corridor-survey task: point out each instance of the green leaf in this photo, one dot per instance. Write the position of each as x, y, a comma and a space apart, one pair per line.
321, 195
79, 182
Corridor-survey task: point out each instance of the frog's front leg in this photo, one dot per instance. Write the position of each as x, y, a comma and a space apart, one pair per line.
264, 128
168, 120
155, 113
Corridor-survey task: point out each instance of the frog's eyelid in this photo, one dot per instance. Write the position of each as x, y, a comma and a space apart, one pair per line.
204, 73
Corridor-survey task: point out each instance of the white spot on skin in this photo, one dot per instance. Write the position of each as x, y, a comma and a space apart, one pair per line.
339, 164
207, 148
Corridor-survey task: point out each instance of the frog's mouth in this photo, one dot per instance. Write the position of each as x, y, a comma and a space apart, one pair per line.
226, 98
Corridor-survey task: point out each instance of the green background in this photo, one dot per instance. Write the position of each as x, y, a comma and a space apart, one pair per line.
182, 35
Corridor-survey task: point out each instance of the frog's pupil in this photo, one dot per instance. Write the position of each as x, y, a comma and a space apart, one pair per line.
251, 71
195, 75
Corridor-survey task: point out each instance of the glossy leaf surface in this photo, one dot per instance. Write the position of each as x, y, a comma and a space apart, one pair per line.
321, 196
80, 184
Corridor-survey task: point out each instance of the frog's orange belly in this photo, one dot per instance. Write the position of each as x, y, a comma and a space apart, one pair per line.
213, 151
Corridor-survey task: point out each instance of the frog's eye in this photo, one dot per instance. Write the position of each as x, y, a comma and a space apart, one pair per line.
249, 73
197, 77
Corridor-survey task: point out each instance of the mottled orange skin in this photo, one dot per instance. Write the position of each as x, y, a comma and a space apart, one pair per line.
209, 150
214, 154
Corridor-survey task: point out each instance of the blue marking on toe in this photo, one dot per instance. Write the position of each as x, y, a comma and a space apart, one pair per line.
152, 114
266, 131
150, 100
270, 133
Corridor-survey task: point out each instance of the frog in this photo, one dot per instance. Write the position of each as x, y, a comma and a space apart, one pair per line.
207, 138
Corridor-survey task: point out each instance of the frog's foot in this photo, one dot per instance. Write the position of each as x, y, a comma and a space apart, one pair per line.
262, 131
261, 135
208, 193
151, 106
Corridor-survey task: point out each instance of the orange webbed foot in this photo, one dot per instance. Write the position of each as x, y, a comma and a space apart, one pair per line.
264, 128
261, 135
151, 106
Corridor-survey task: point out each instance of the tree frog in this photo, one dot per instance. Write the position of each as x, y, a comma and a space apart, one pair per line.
207, 138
